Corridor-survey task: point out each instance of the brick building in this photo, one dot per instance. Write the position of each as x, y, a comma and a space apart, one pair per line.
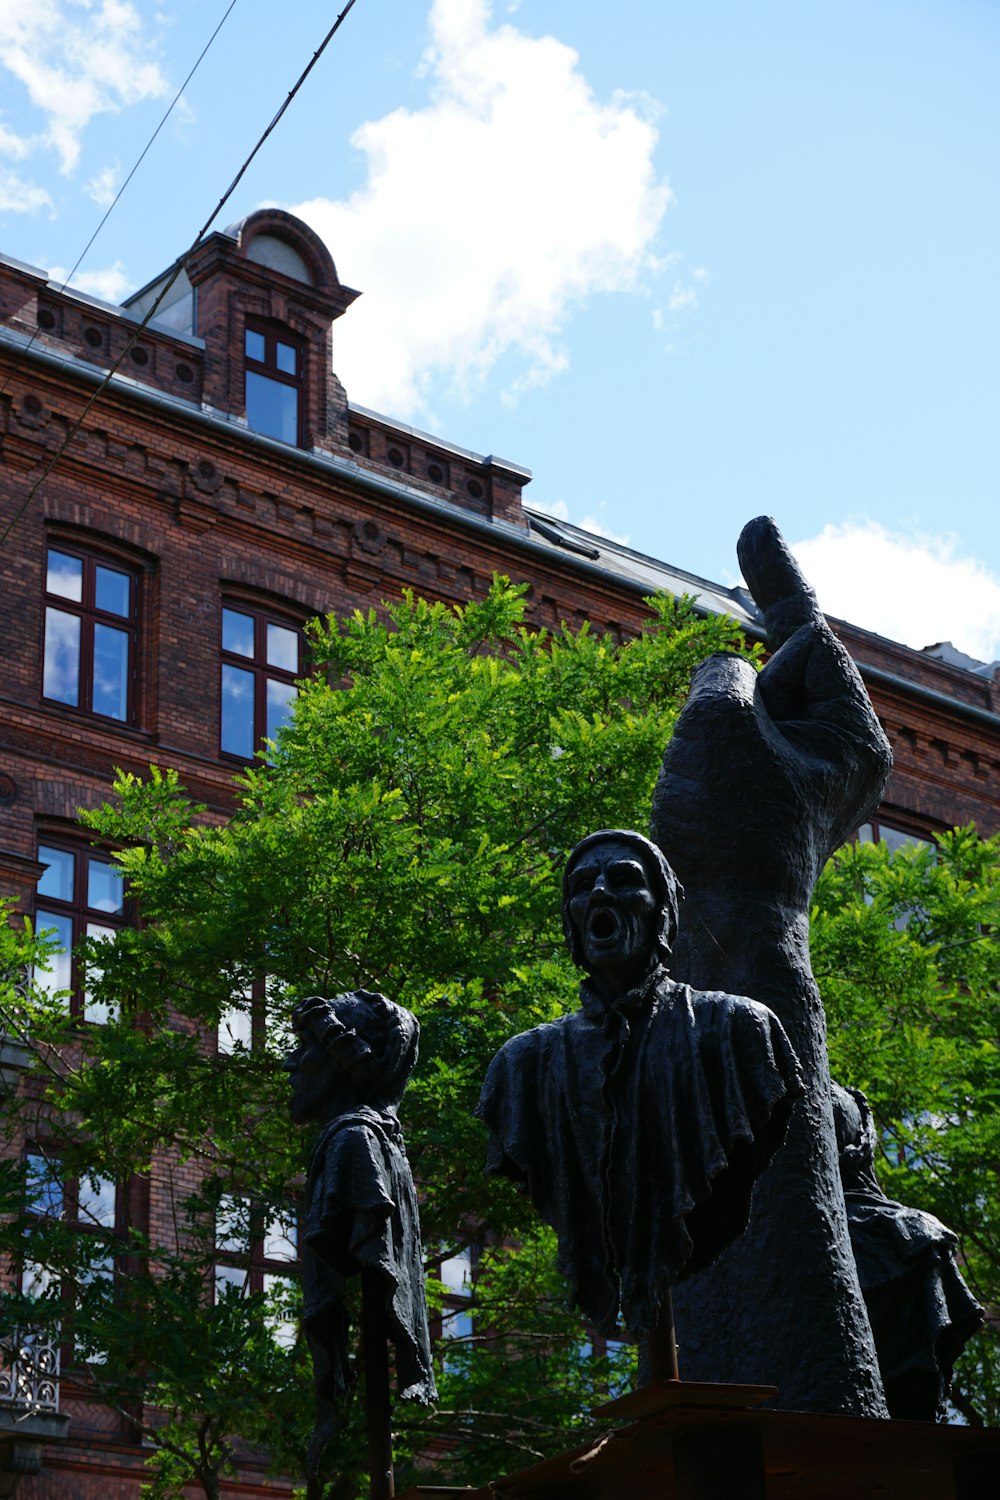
219, 492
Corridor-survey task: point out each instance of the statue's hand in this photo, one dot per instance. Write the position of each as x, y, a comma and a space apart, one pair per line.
315, 1013
776, 581
767, 773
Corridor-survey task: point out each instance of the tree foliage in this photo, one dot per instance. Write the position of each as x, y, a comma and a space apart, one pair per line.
406, 833
905, 949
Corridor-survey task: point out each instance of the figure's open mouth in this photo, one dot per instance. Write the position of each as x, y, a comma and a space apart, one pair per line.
604, 926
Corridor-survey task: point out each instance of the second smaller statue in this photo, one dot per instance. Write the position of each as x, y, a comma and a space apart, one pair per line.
921, 1311
638, 1123
354, 1058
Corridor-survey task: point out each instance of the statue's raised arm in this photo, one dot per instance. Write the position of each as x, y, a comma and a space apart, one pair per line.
767, 773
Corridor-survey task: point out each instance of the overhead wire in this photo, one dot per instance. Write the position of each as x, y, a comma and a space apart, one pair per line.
178, 267
137, 164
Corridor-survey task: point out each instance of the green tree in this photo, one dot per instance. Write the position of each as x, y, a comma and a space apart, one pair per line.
905, 950
407, 833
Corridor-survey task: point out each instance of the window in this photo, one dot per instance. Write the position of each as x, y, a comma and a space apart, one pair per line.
273, 384
236, 1028
260, 662
877, 832
90, 1205
253, 1021
894, 839
91, 609
255, 1247
457, 1273
79, 894
46, 1199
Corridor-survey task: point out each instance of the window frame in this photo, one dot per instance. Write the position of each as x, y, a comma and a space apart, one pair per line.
86, 610
269, 369
873, 831
70, 1212
78, 912
454, 1323
257, 666
260, 1271
244, 1027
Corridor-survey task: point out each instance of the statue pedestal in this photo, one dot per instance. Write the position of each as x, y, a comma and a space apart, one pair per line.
689, 1441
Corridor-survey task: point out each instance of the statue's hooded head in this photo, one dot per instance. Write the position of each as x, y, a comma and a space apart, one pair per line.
354, 1048
620, 902
856, 1138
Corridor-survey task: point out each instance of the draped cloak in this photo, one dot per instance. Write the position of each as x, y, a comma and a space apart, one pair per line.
921, 1311
361, 1215
638, 1130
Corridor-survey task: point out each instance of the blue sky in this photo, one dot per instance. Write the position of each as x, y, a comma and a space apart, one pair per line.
686, 261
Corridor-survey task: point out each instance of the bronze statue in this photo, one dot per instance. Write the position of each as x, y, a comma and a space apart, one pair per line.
921, 1311
638, 1123
765, 775
355, 1055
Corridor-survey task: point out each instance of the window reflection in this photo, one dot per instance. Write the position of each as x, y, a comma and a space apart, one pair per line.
113, 591
61, 673
110, 672
258, 684
237, 632
89, 651
64, 575
280, 696
237, 711
272, 409
273, 385
74, 889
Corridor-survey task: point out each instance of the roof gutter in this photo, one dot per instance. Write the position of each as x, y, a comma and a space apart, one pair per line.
929, 695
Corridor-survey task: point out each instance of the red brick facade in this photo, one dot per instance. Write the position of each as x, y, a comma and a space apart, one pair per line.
165, 480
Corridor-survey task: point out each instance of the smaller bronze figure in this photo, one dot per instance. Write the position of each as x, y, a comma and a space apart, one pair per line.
921, 1311
355, 1055
639, 1123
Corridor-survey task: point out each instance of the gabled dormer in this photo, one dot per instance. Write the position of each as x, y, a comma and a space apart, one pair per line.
263, 296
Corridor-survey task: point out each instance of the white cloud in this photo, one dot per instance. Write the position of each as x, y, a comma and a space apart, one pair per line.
590, 523
77, 59
559, 511
110, 283
488, 215
918, 589
12, 145
18, 196
103, 186
683, 299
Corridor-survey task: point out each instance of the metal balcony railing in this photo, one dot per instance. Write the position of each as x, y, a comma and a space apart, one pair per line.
29, 1370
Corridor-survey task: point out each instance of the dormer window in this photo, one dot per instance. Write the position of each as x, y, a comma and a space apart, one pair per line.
273, 384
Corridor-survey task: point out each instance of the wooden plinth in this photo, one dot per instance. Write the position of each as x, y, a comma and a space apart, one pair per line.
690, 1441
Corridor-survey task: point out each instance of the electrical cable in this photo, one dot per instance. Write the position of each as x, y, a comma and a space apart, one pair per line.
179, 266
111, 206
